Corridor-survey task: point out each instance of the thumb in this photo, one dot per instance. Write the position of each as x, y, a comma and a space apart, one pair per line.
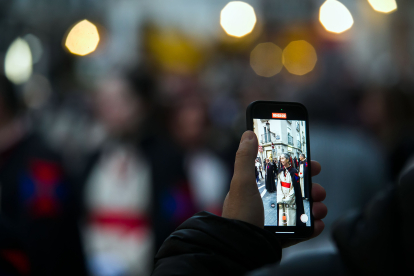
243, 202
244, 164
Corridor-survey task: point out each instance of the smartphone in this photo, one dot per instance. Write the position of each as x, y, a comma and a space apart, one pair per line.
283, 166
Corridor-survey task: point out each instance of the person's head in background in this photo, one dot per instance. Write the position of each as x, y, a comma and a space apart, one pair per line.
302, 157
9, 102
122, 103
188, 122
388, 113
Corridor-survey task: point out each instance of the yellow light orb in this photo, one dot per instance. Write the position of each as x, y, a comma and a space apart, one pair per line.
299, 57
266, 59
83, 38
237, 18
18, 61
335, 17
384, 6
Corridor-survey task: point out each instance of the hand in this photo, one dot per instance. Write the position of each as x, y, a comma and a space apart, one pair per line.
243, 201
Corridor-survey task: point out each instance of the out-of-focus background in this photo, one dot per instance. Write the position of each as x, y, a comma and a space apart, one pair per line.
121, 119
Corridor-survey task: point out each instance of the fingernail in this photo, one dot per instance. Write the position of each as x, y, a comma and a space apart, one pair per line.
248, 135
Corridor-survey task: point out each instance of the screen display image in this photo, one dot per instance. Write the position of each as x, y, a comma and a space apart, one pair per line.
282, 170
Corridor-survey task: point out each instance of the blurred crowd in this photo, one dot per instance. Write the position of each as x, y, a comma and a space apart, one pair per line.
100, 161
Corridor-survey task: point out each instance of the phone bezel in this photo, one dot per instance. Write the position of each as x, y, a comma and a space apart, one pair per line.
295, 111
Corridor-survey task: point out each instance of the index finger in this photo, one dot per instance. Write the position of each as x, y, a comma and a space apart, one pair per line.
315, 168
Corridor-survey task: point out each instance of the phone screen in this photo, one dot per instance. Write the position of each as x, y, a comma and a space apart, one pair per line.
282, 167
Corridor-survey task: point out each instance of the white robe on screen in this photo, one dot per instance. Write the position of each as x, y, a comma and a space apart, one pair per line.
287, 196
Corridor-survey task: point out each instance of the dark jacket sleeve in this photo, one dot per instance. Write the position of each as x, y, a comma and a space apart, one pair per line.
207, 244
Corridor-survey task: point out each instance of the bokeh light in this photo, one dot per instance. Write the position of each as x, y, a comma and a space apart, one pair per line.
266, 59
237, 18
299, 57
83, 38
335, 17
18, 61
385, 6
174, 51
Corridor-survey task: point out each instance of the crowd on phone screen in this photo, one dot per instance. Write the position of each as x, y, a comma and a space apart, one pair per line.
275, 167
287, 178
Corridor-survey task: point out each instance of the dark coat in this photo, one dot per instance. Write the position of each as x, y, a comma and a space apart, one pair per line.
38, 219
270, 177
211, 245
296, 162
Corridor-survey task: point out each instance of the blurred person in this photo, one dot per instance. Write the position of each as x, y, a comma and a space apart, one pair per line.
188, 125
117, 228
275, 163
259, 167
289, 196
388, 113
295, 160
237, 244
270, 176
134, 199
39, 212
280, 165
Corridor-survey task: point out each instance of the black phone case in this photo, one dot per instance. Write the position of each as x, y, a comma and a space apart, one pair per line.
291, 107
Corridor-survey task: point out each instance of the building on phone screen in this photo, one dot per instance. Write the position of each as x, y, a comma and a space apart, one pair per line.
279, 136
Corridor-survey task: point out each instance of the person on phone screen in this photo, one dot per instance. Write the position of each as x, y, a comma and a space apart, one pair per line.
303, 174
280, 166
270, 176
259, 167
288, 190
276, 167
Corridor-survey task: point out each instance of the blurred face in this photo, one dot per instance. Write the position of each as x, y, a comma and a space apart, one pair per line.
188, 123
118, 108
301, 157
284, 161
267, 160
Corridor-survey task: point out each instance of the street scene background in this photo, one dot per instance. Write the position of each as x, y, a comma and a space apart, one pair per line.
143, 103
